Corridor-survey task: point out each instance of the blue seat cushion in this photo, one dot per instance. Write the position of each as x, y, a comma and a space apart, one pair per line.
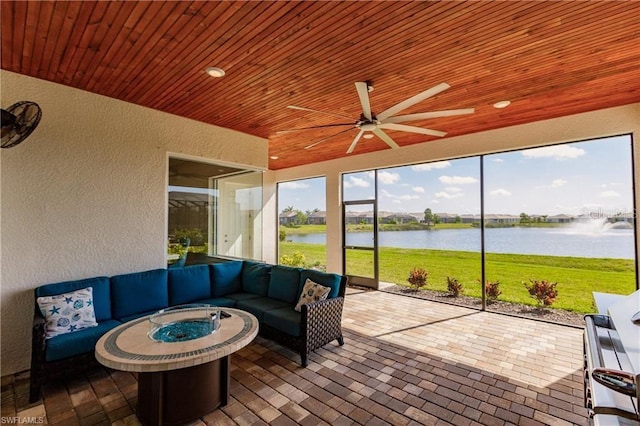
285, 284
101, 293
219, 301
286, 320
139, 292
78, 342
138, 315
255, 277
226, 278
322, 278
189, 284
241, 296
259, 305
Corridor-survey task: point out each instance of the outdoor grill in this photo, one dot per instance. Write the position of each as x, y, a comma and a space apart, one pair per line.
612, 361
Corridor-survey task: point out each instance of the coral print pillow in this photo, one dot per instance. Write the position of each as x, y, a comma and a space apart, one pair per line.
69, 312
312, 292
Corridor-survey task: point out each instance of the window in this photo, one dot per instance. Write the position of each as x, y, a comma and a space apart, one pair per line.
556, 214
217, 207
302, 223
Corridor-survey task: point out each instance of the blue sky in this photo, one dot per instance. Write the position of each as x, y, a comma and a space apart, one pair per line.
576, 178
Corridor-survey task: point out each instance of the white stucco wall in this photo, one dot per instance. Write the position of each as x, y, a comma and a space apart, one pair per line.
86, 193
608, 122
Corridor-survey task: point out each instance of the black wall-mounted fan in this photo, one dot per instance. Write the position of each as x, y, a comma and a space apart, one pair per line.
18, 121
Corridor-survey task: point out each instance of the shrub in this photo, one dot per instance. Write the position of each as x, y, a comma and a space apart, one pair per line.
418, 278
491, 290
543, 291
296, 259
454, 287
282, 234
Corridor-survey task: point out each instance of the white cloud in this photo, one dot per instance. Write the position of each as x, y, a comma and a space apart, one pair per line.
430, 166
448, 196
557, 183
609, 194
388, 178
418, 189
453, 189
500, 192
457, 180
556, 151
614, 184
406, 197
356, 182
498, 160
293, 185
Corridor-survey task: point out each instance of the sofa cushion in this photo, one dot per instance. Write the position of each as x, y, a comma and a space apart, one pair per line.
241, 296
259, 305
219, 301
138, 315
286, 320
101, 293
226, 278
79, 342
132, 294
285, 284
255, 277
312, 292
67, 312
189, 284
322, 278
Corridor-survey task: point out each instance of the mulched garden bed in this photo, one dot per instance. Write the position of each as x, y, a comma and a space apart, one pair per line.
557, 316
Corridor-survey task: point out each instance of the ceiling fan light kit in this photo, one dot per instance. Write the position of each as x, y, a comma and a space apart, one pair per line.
374, 124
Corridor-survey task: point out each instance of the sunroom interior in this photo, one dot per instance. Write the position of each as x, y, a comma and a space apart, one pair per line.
87, 193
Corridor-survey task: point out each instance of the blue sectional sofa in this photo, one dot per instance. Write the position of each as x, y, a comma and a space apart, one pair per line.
270, 292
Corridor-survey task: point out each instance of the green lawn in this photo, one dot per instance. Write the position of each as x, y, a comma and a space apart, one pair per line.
576, 277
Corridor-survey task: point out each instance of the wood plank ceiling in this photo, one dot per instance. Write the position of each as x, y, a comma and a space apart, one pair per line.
549, 59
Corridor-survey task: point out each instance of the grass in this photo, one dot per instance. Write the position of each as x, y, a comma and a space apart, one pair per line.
576, 277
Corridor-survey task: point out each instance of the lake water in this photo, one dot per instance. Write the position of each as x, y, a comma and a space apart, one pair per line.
601, 242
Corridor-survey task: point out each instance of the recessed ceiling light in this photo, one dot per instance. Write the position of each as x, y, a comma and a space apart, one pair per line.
215, 72
367, 135
274, 157
502, 104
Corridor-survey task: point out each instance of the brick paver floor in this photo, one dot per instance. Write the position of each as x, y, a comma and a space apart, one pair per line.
405, 361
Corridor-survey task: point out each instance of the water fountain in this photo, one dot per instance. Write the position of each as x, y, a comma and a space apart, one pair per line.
595, 226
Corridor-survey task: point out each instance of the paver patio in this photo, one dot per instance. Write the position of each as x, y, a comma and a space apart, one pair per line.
405, 361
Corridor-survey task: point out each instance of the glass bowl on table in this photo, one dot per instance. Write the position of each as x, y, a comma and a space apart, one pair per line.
184, 322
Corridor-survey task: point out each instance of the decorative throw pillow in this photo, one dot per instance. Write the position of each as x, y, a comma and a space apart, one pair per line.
312, 292
68, 312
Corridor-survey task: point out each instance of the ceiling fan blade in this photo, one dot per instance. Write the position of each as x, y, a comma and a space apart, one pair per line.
324, 139
321, 112
386, 138
363, 93
314, 127
355, 141
413, 100
427, 115
412, 129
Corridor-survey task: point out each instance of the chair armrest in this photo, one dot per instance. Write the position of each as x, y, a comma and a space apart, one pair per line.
38, 343
324, 315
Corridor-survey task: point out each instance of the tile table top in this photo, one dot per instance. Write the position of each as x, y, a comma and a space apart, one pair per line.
129, 348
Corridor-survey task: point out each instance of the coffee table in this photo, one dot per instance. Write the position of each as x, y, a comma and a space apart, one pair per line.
182, 380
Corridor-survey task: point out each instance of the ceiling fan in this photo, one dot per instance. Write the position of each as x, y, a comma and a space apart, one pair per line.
370, 124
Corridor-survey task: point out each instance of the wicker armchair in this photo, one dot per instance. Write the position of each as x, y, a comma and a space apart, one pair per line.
320, 323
